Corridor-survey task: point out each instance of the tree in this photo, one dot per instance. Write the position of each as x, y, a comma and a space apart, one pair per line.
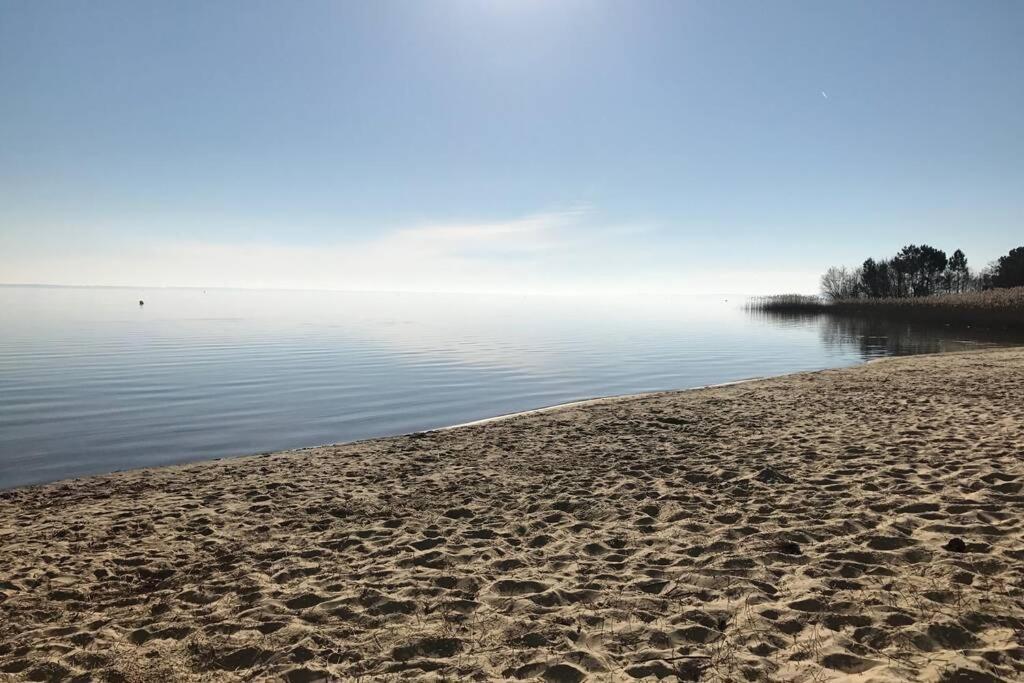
876, 278
1008, 271
921, 271
901, 266
840, 283
933, 263
959, 275
918, 269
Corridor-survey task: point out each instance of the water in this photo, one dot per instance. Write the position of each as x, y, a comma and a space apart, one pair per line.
92, 382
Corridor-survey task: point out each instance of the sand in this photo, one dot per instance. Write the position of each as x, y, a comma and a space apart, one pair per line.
858, 524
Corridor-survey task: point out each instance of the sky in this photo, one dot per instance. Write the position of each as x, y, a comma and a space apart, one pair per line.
503, 145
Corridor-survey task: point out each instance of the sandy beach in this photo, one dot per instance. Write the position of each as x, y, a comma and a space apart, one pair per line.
858, 524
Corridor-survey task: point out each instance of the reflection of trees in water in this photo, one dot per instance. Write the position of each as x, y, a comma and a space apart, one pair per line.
874, 337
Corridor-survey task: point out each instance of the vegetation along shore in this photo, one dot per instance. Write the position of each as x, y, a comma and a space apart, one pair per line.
997, 308
863, 523
918, 284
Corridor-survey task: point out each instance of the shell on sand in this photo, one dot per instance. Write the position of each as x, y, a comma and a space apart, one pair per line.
863, 523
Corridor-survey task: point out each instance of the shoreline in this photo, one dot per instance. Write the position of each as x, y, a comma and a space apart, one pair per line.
598, 400
484, 420
490, 419
859, 522
472, 423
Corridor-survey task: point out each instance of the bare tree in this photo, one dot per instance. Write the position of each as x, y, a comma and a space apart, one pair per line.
840, 283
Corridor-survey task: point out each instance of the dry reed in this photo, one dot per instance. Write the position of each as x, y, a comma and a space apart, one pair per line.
1002, 308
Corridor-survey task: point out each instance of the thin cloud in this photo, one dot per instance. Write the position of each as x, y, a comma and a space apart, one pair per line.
566, 251
457, 256
531, 233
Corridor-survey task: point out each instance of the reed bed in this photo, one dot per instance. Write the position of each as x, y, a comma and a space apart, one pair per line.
999, 308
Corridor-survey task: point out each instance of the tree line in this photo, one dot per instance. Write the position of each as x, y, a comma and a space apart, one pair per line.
921, 271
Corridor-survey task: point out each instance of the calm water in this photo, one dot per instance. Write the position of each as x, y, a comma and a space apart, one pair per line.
91, 382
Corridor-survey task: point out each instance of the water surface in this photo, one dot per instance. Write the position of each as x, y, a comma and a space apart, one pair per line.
92, 382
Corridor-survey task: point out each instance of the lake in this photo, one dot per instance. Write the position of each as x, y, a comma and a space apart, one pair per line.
92, 382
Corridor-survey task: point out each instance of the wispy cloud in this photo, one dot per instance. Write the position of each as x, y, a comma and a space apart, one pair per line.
533, 233
568, 251
431, 256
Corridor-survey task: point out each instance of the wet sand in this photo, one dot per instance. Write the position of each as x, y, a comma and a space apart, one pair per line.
858, 524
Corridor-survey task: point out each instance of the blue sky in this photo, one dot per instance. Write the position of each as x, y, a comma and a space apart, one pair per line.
511, 145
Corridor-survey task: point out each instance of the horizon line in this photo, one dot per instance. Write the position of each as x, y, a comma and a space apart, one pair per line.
44, 285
